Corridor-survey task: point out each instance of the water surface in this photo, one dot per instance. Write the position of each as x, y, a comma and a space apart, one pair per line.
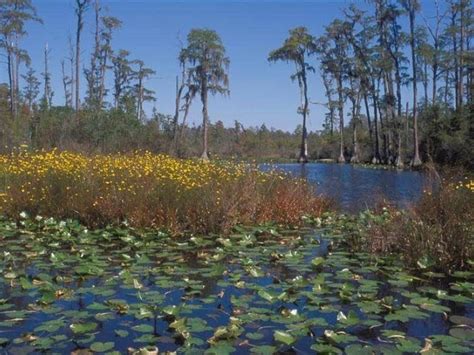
355, 188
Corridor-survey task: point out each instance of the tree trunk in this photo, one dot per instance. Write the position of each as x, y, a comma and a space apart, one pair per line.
425, 83
461, 57
382, 118
179, 92
455, 55
47, 84
65, 84
416, 161
434, 67
17, 78
400, 161
340, 107
303, 158
369, 123
355, 118
407, 131
205, 121
102, 80
93, 79
71, 63
78, 59
11, 84
376, 157
327, 86
446, 86
140, 98
187, 105
391, 119
80, 8
384, 155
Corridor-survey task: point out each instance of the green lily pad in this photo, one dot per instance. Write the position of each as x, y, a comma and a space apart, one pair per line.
462, 333
460, 320
263, 350
82, 328
102, 347
284, 337
144, 328
121, 333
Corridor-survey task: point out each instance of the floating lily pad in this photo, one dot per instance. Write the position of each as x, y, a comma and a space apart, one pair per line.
82, 328
102, 347
284, 337
460, 320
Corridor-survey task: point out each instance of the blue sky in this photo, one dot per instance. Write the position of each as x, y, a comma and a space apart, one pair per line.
260, 92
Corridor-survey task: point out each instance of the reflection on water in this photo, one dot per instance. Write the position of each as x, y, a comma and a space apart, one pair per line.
356, 188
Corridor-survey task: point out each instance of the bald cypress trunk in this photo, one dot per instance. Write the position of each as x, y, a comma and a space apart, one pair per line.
340, 107
303, 158
205, 120
416, 161
81, 6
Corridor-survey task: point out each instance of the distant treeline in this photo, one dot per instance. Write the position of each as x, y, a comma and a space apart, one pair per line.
365, 59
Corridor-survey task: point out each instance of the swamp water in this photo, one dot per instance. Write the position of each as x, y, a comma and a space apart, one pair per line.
261, 290
355, 188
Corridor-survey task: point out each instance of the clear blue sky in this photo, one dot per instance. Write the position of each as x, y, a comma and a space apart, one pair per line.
260, 92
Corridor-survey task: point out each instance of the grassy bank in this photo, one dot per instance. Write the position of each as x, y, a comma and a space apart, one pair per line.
148, 190
436, 233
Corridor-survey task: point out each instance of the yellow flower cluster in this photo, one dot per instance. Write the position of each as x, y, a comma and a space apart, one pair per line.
467, 184
37, 174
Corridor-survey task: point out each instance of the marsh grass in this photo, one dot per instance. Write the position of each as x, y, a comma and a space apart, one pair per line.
437, 232
147, 190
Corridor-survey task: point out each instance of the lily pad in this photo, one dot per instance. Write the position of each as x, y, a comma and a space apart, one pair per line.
284, 337
82, 328
99, 347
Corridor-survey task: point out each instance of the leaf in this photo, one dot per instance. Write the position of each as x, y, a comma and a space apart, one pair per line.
50, 326
102, 347
265, 295
81, 328
465, 334
408, 345
144, 328
263, 350
26, 284
317, 261
357, 349
121, 333
220, 348
283, 337
325, 349
254, 336
460, 320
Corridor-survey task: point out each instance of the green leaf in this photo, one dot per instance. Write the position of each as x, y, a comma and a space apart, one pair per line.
460, 320
81, 328
121, 333
317, 261
465, 334
284, 337
144, 328
263, 350
266, 295
357, 349
102, 347
326, 349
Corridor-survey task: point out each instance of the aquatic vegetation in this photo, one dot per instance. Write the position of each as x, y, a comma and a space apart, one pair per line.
150, 190
436, 233
259, 290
